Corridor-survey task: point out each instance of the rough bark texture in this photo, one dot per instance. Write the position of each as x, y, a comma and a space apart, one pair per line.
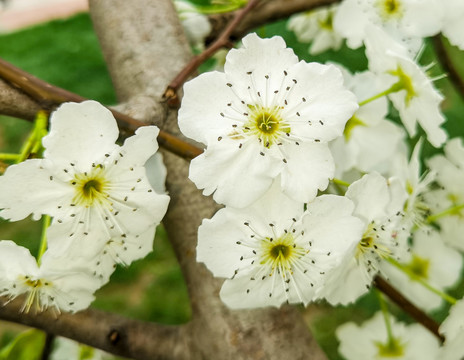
110, 332
145, 47
14, 103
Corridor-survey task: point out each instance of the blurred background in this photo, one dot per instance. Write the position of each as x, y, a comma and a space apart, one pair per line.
54, 40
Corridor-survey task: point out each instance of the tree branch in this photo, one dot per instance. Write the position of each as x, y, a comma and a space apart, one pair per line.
223, 40
447, 64
113, 333
36, 94
265, 13
408, 307
216, 331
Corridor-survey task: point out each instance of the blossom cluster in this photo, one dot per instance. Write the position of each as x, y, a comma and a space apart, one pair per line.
103, 207
321, 189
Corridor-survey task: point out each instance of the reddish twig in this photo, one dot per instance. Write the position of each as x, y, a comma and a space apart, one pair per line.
407, 306
49, 96
447, 64
222, 41
267, 12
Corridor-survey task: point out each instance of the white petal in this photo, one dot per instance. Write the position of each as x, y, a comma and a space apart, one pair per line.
80, 133
308, 169
32, 187
236, 176
156, 173
15, 260
371, 197
327, 106
234, 293
138, 148
205, 98
262, 57
217, 242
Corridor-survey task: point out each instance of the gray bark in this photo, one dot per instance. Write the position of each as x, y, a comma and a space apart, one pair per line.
144, 46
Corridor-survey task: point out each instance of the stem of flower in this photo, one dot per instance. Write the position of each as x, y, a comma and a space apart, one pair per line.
421, 317
43, 238
340, 182
222, 8
450, 211
394, 88
33, 143
4, 156
421, 281
222, 41
386, 317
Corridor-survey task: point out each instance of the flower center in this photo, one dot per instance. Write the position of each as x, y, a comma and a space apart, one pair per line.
280, 251
392, 348
389, 8
266, 124
404, 83
34, 287
419, 267
90, 187
370, 244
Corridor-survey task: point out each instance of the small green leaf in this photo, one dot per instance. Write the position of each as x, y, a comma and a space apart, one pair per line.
26, 346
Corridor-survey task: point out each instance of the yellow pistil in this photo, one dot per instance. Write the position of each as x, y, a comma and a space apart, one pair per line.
352, 123
404, 83
90, 187
34, 286
390, 8
281, 253
327, 22
392, 348
266, 124
419, 267
368, 244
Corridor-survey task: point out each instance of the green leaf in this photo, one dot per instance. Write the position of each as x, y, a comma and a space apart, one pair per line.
26, 346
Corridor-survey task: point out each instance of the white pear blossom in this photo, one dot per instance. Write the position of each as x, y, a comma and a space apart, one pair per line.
316, 26
371, 341
453, 330
431, 261
119, 250
411, 188
273, 251
195, 24
416, 99
266, 115
453, 26
383, 237
370, 141
66, 349
448, 199
94, 189
57, 283
405, 20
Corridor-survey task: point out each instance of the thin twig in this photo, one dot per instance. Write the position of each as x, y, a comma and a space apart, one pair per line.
49, 96
47, 349
420, 316
267, 12
107, 331
447, 64
222, 41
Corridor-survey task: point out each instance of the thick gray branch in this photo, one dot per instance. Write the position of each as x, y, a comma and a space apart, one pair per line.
154, 45
14, 103
110, 332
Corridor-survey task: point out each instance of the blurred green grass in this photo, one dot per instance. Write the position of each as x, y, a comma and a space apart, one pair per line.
66, 53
